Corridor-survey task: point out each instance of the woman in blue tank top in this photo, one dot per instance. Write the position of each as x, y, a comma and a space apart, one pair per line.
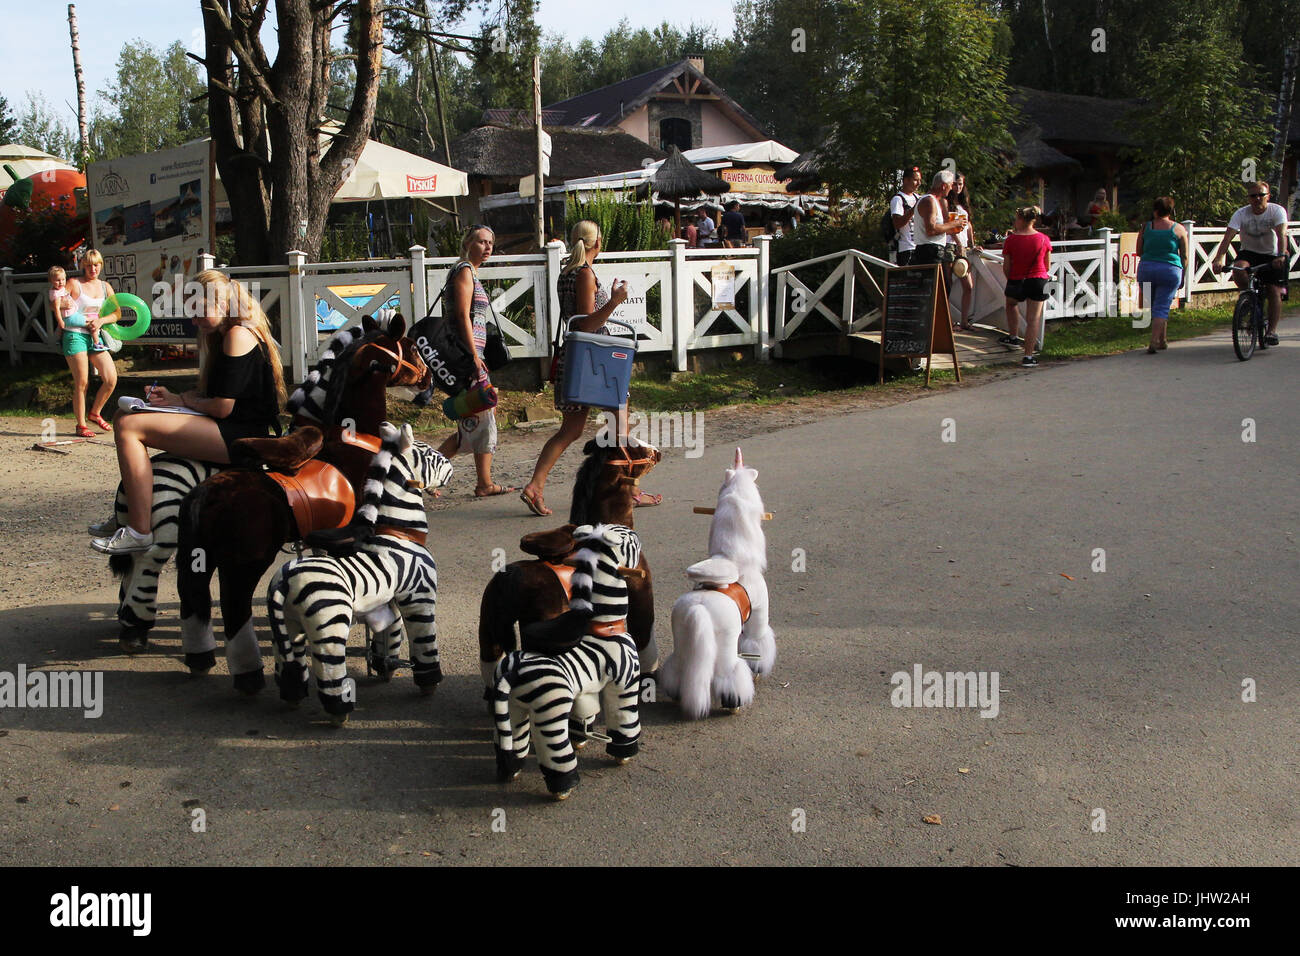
1162, 249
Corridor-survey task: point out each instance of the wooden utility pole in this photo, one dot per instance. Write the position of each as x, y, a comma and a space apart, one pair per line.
437, 97
540, 184
81, 85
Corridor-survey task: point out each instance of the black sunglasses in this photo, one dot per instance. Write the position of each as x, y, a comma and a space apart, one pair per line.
1256, 195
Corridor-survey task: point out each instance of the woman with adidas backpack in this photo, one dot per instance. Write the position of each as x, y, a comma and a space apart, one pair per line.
468, 307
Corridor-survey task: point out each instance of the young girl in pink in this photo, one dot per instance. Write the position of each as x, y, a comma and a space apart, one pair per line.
1027, 264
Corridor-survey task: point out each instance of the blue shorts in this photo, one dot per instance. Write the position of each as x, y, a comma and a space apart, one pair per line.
1163, 280
75, 342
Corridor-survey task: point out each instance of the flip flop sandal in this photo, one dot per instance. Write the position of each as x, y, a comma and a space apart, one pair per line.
493, 491
653, 500
535, 504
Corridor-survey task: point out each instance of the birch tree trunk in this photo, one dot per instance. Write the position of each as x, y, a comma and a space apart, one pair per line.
81, 86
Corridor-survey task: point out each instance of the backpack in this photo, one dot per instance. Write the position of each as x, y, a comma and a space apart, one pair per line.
887, 230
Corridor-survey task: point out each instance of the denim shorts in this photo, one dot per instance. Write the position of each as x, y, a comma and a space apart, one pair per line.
1164, 279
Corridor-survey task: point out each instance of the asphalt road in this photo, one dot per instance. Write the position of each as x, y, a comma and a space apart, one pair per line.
1121, 691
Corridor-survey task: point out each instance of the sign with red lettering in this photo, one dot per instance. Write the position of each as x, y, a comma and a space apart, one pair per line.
751, 179
421, 184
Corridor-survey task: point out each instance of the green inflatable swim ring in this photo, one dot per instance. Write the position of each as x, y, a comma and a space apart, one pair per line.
119, 301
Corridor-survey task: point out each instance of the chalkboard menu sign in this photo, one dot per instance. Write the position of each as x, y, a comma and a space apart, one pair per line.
909, 310
916, 319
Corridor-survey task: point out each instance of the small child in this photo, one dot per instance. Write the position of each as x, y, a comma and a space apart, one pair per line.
62, 305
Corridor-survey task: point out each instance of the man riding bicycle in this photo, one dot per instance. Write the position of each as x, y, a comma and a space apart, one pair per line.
1262, 225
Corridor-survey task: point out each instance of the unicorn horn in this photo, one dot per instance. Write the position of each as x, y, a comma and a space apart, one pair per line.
740, 462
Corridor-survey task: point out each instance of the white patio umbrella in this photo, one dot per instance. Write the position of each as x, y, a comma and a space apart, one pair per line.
386, 172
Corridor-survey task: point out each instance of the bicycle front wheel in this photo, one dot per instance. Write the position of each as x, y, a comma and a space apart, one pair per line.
1244, 336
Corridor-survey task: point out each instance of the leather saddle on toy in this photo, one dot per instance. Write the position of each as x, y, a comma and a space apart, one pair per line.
318, 493
551, 548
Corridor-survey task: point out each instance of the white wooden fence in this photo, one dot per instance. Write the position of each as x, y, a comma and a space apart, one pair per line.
676, 283
1085, 282
771, 306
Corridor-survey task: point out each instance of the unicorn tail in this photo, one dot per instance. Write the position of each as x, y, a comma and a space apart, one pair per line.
695, 643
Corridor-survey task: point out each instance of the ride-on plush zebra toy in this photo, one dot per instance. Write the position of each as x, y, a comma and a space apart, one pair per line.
720, 629
574, 664
380, 571
175, 477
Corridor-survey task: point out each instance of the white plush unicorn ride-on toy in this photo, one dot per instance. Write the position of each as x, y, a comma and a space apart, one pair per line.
721, 637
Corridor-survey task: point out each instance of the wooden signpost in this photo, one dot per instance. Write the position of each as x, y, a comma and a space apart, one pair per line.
916, 319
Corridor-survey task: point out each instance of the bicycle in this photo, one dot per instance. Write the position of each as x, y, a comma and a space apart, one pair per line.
1248, 323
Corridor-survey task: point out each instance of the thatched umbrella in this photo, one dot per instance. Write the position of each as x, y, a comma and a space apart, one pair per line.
801, 173
678, 178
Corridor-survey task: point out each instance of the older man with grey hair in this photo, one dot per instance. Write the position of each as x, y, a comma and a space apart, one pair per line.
932, 230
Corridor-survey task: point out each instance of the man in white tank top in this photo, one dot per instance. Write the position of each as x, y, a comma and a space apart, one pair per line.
930, 227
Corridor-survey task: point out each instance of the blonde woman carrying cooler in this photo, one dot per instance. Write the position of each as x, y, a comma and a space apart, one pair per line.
580, 294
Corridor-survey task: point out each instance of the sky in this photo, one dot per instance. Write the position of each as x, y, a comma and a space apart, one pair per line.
36, 53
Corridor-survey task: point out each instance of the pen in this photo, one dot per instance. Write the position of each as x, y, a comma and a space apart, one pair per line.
148, 392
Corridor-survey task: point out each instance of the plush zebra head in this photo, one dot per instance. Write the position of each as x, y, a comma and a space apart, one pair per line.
311, 398
400, 470
597, 588
319, 395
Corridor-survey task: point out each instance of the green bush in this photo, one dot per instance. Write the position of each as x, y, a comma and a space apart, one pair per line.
625, 226
1111, 220
39, 240
345, 240
821, 236
445, 239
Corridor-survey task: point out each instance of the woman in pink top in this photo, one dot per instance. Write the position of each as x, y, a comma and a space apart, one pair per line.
1027, 264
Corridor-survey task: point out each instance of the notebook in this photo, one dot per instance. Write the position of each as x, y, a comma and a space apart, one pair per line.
129, 404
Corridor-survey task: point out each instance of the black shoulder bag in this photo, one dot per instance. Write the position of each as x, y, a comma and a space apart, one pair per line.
495, 353
444, 351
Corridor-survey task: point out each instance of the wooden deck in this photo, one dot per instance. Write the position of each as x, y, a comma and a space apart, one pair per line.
973, 348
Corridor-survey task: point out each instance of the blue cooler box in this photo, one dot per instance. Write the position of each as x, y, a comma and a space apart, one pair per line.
598, 368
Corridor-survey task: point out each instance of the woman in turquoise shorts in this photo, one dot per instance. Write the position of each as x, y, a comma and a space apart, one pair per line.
87, 295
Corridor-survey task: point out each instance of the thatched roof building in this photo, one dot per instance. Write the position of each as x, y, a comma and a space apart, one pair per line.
503, 155
496, 158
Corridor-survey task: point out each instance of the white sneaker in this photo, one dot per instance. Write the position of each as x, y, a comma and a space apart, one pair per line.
102, 529
124, 541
